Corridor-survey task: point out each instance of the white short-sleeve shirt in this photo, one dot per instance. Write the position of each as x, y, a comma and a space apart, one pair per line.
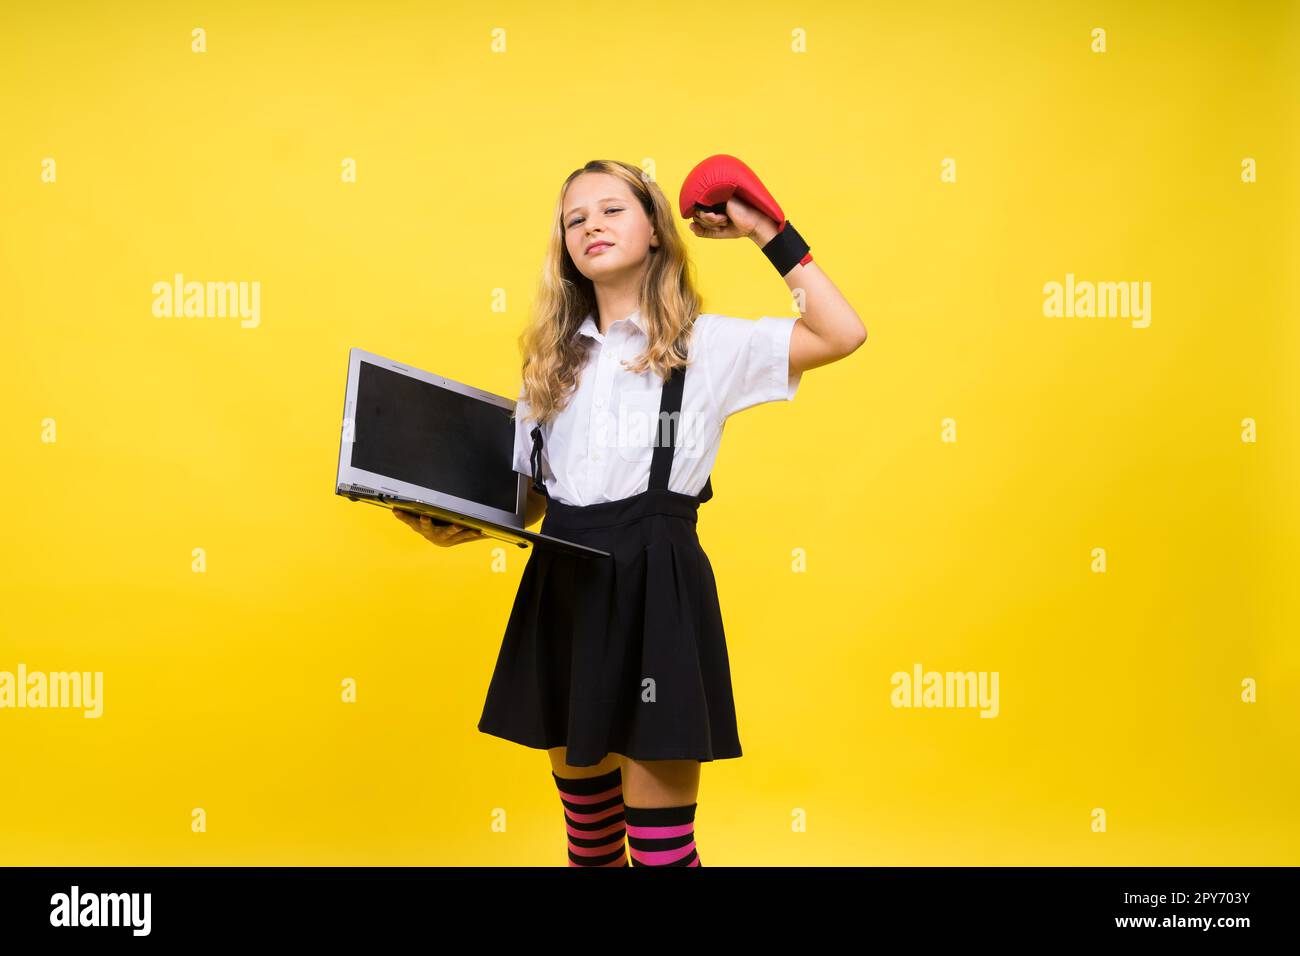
600, 446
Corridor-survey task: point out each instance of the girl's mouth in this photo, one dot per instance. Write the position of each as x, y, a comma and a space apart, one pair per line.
596, 247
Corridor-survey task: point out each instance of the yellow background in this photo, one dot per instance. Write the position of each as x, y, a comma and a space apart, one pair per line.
1118, 690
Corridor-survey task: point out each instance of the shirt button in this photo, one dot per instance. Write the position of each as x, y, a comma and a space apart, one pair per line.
600, 402
596, 456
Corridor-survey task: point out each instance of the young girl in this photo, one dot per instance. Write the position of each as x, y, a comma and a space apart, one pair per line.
618, 666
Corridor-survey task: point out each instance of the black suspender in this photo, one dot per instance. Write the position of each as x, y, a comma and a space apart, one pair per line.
670, 408
535, 460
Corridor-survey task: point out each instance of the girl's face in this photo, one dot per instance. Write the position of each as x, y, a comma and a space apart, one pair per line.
607, 233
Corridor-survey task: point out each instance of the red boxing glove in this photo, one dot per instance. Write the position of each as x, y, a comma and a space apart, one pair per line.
711, 183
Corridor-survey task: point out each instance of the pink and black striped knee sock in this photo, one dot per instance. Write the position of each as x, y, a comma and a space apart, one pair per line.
593, 817
662, 836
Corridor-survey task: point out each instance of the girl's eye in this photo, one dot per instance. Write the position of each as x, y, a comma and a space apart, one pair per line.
609, 210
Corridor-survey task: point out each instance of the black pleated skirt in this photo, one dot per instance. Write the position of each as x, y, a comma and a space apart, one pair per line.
624, 654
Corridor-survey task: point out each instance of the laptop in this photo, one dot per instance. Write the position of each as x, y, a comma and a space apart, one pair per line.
433, 446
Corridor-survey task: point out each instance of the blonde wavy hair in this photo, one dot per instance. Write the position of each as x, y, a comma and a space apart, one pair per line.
552, 351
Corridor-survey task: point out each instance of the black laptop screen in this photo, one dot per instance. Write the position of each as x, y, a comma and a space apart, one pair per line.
434, 437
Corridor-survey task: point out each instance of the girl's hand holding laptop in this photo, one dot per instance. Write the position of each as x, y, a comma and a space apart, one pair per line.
443, 533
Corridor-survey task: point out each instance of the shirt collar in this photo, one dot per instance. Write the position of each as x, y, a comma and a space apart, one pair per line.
592, 330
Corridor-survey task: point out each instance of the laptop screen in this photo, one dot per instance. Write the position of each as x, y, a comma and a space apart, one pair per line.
434, 437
